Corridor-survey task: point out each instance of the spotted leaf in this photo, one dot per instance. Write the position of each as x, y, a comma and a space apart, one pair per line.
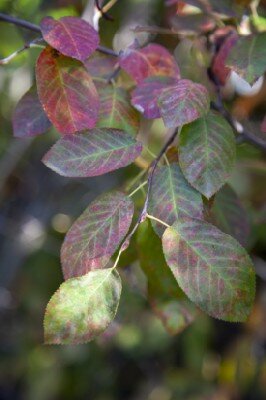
211, 267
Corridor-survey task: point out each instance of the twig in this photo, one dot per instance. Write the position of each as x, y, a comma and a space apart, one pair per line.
26, 46
103, 13
36, 28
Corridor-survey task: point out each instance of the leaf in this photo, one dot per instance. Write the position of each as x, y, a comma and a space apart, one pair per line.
96, 234
183, 102
82, 308
171, 195
29, 119
263, 125
151, 60
228, 214
144, 98
166, 298
207, 153
211, 267
67, 92
116, 110
92, 153
248, 57
192, 23
219, 69
100, 65
72, 36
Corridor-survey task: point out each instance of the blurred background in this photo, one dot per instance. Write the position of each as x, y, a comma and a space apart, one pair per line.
136, 358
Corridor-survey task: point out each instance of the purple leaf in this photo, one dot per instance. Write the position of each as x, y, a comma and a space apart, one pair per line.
66, 91
212, 268
183, 102
151, 60
72, 36
263, 125
144, 98
96, 234
100, 66
92, 153
29, 119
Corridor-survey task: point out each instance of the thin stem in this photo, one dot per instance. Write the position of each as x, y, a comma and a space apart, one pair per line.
138, 188
102, 11
26, 46
158, 220
132, 183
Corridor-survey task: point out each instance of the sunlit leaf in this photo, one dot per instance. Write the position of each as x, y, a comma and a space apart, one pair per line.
145, 97
29, 119
171, 195
66, 91
229, 215
96, 234
151, 60
72, 36
248, 57
92, 153
165, 296
82, 308
212, 268
116, 110
207, 153
183, 102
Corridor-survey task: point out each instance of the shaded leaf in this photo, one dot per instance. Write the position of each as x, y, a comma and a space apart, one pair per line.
29, 119
72, 36
248, 57
151, 60
183, 102
219, 69
116, 110
166, 298
145, 97
211, 267
171, 195
263, 125
82, 308
193, 23
92, 153
66, 91
229, 215
96, 234
207, 153
100, 65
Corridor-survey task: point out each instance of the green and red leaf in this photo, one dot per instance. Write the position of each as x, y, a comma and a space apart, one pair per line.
29, 119
183, 102
72, 36
212, 268
92, 153
66, 91
96, 234
82, 308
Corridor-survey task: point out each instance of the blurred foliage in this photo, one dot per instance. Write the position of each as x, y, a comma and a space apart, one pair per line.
136, 358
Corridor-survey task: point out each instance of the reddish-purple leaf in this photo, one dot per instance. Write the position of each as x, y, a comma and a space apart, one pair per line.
29, 119
220, 70
92, 153
66, 91
183, 102
72, 36
145, 97
100, 65
96, 234
263, 125
152, 60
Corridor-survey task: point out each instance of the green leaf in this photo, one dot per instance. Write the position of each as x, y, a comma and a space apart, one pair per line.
82, 308
171, 194
248, 57
229, 215
166, 298
96, 234
211, 267
116, 110
92, 153
207, 153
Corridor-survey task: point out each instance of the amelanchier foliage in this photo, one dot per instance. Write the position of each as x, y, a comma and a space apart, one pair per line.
191, 228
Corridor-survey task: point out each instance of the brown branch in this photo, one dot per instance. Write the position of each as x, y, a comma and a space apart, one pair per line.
103, 13
36, 28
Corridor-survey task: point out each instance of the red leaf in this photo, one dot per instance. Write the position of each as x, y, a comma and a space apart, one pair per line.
145, 97
71, 36
66, 91
29, 119
151, 60
220, 70
183, 102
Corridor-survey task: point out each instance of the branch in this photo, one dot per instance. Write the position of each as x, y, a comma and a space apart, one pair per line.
36, 28
102, 12
26, 46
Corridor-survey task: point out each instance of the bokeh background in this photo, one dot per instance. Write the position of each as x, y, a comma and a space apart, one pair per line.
136, 359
